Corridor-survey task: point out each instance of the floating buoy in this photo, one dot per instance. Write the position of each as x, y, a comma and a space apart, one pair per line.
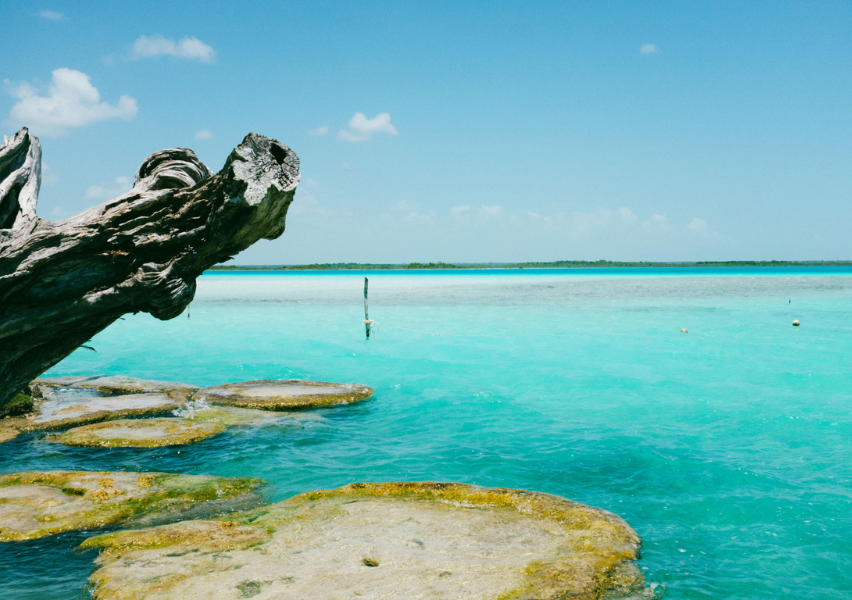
684, 331
796, 323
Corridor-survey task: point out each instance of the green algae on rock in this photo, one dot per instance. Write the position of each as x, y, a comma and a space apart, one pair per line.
116, 385
284, 394
232, 416
72, 401
37, 504
138, 433
382, 541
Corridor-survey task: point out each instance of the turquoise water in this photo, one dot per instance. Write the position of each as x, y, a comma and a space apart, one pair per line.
727, 448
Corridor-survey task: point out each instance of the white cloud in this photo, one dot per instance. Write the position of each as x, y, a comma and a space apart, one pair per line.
698, 225
656, 221
648, 49
71, 101
204, 134
626, 215
189, 48
491, 211
459, 211
321, 130
405, 205
361, 128
58, 213
108, 191
51, 15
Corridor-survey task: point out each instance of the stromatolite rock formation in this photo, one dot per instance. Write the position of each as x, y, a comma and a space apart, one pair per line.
284, 394
72, 401
37, 504
138, 433
381, 541
62, 282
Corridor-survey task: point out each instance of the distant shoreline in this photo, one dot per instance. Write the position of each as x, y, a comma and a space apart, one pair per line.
560, 264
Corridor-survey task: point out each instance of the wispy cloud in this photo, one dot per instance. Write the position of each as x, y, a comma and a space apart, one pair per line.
656, 221
460, 211
491, 211
71, 101
362, 129
204, 134
697, 225
109, 190
188, 48
321, 130
648, 49
51, 15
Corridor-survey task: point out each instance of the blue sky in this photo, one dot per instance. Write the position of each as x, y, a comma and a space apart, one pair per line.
445, 131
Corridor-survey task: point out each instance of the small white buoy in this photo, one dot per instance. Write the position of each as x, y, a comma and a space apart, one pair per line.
796, 323
684, 331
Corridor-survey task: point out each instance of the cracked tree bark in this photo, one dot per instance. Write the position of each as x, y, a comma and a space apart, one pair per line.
63, 282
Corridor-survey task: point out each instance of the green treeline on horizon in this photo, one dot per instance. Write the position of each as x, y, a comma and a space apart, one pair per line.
559, 264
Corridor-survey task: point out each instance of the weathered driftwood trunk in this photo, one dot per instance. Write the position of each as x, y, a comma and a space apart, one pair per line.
62, 282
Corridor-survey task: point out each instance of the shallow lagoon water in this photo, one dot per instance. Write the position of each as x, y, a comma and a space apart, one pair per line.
727, 448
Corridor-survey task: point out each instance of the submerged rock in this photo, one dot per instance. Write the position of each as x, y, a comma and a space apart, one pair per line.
381, 541
71, 401
37, 504
138, 433
200, 411
284, 394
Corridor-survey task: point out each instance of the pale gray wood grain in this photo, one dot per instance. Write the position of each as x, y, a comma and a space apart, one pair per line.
62, 282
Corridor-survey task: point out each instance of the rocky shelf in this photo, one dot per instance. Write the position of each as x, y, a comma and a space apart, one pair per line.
381, 541
37, 503
138, 433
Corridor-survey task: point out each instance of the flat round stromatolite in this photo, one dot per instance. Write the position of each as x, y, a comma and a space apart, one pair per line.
71, 401
284, 394
381, 541
138, 433
37, 503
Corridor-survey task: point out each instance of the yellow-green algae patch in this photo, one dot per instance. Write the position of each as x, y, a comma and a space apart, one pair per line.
381, 541
284, 394
37, 504
202, 412
138, 433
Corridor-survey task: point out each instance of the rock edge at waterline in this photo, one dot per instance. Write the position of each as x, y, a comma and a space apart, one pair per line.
284, 394
381, 541
37, 504
138, 433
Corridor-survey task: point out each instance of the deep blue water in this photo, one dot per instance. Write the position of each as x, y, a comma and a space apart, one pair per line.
727, 448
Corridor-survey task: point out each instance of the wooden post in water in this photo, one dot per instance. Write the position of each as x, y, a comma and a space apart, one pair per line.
366, 311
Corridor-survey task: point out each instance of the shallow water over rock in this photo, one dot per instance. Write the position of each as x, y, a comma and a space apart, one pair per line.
138, 433
38, 504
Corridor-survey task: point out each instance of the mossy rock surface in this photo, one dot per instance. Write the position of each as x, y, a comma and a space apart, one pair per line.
66, 406
115, 385
36, 504
234, 416
138, 433
21, 404
381, 541
284, 394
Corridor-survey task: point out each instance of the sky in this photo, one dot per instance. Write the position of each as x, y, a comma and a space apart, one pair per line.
464, 131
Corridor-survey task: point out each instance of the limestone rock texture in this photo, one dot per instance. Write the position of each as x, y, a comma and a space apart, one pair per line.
284, 394
138, 433
36, 504
72, 401
62, 282
381, 541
